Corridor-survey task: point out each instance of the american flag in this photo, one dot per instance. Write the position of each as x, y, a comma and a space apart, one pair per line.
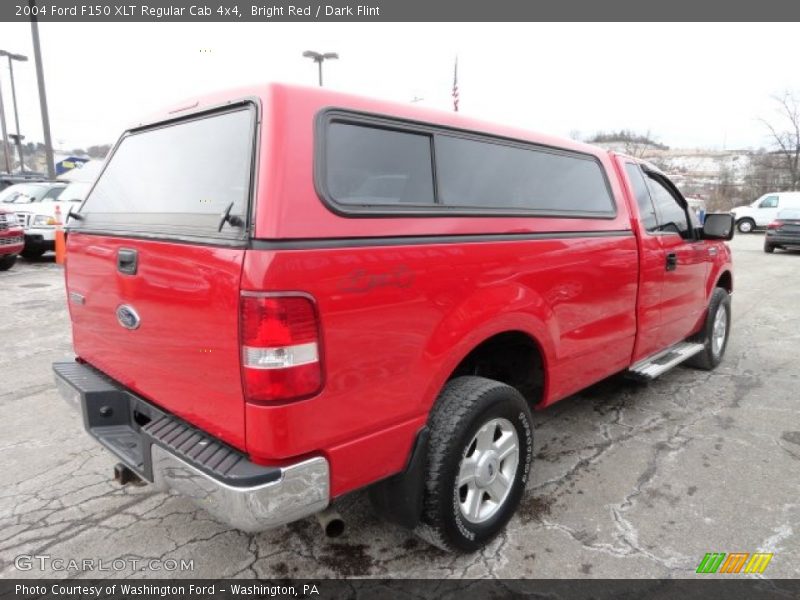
455, 87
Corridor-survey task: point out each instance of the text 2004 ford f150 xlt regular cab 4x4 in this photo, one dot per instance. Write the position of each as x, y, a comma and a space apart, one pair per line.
282, 295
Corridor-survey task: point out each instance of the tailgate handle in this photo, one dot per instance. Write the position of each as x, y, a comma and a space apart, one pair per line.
127, 261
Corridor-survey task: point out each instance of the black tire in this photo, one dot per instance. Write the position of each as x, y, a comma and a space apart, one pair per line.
32, 253
746, 225
7, 261
710, 357
464, 407
769, 249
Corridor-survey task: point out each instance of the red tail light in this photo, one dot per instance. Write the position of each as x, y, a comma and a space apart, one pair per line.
774, 225
280, 347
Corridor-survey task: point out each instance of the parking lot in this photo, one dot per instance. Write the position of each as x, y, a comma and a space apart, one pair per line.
629, 480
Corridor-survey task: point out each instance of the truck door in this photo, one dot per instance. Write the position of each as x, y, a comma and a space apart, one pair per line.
651, 267
685, 263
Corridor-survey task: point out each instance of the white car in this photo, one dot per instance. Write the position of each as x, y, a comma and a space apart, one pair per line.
763, 211
41, 218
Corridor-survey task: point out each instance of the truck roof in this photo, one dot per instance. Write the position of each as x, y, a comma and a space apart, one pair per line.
325, 98
288, 205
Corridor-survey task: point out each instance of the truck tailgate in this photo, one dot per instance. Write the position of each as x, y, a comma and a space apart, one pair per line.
183, 354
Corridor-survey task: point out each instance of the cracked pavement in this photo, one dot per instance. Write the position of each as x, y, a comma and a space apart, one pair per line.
629, 480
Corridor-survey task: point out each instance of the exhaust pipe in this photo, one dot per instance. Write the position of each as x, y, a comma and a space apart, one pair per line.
124, 475
331, 522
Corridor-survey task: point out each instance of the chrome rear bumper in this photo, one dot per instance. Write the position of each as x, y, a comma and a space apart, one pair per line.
173, 455
301, 491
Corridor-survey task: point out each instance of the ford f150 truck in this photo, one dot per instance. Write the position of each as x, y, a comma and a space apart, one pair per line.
281, 295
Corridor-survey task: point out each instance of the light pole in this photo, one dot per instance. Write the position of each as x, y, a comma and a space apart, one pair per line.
37, 58
6, 147
319, 58
11, 59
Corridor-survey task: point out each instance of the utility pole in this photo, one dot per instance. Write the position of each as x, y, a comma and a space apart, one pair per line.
319, 58
6, 147
18, 138
37, 57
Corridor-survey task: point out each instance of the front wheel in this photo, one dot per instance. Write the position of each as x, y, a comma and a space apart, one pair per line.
746, 225
7, 261
715, 332
479, 459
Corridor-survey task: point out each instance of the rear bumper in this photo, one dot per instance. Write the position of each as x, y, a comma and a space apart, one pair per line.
40, 238
777, 239
172, 454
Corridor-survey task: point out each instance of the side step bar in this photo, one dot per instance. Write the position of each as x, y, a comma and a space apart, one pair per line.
658, 364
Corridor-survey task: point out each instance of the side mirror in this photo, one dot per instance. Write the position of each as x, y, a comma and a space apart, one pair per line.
718, 226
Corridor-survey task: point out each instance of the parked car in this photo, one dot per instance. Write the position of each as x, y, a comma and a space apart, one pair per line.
42, 218
764, 210
369, 295
29, 193
11, 238
784, 231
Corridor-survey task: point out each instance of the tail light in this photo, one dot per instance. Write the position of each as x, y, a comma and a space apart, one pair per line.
280, 347
774, 225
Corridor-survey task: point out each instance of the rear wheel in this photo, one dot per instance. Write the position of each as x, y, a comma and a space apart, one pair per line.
769, 248
7, 261
480, 452
746, 225
715, 332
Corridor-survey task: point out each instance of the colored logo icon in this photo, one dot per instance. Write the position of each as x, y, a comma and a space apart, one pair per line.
736, 562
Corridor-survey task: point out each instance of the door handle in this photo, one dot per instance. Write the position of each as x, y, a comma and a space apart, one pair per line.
672, 261
127, 261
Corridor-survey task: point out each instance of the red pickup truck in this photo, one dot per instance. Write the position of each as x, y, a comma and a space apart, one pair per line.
12, 238
282, 295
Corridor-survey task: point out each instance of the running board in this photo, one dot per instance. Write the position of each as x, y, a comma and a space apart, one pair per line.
653, 366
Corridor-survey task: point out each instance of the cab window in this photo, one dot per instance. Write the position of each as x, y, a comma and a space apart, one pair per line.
647, 212
671, 216
769, 202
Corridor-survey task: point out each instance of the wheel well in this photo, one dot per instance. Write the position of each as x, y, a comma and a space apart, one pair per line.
512, 357
725, 281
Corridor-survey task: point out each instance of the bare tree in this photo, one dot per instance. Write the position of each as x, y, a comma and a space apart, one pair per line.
639, 146
785, 133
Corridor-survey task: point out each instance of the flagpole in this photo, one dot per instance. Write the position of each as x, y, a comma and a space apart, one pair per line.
455, 85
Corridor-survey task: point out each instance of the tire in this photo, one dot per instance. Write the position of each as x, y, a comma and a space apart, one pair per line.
745, 225
32, 253
769, 249
474, 417
714, 347
7, 261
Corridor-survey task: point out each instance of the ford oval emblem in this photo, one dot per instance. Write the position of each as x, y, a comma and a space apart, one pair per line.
128, 317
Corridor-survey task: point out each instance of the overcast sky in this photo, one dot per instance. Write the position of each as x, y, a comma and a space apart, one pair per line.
690, 85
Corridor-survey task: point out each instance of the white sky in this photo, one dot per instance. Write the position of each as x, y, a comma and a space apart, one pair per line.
689, 84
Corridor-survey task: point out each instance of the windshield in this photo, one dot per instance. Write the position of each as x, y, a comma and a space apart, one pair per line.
23, 193
180, 178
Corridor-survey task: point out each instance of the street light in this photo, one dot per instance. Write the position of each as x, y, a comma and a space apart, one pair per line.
6, 147
319, 58
11, 58
37, 59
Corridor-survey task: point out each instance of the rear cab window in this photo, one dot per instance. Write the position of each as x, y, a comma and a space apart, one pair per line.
177, 179
379, 166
